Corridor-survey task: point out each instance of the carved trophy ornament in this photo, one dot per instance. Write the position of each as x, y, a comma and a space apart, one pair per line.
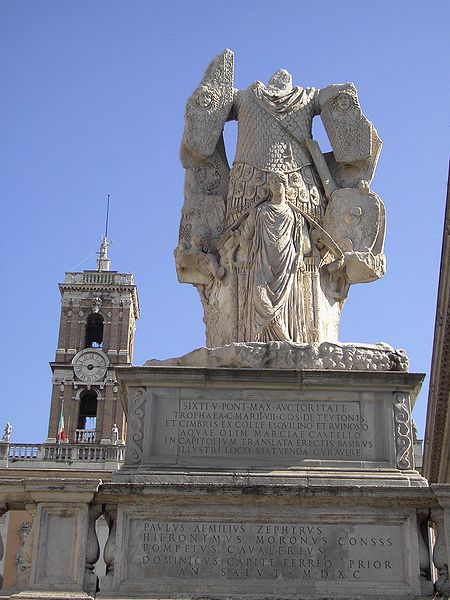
274, 243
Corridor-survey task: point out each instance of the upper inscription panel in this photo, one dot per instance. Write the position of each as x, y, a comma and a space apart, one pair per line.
260, 431
241, 428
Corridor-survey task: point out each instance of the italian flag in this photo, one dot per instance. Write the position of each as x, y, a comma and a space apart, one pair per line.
62, 435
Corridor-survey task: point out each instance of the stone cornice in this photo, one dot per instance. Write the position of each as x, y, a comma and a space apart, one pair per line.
436, 464
104, 287
193, 375
16, 493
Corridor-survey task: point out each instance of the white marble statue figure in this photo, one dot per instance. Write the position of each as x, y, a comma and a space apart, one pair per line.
274, 244
7, 432
275, 238
114, 435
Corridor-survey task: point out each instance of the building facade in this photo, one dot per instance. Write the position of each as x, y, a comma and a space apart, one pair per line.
87, 425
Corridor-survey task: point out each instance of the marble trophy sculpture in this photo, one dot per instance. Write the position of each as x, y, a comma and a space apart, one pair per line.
274, 243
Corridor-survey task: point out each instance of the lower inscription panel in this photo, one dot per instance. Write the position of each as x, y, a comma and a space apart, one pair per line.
255, 555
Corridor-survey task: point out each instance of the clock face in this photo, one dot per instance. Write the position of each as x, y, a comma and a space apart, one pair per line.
90, 365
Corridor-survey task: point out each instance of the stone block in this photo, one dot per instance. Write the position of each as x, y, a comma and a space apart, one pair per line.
331, 424
277, 549
60, 546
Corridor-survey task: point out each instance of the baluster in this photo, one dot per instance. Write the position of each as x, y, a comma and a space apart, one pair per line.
109, 553
90, 584
442, 584
426, 585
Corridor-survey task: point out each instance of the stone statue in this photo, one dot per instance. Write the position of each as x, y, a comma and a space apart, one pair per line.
274, 244
274, 239
114, 435
7, 432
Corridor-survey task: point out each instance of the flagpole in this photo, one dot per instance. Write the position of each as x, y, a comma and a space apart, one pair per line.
61, 431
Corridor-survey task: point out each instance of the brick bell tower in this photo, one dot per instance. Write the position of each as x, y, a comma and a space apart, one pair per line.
97, 327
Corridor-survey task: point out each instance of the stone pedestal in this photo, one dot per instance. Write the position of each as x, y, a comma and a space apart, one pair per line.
267, 541
319, 427
246, 483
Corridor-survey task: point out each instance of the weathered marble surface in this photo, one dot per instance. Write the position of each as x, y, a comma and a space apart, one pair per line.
287, 355
331, 425
277, 540
320, 552
274, 244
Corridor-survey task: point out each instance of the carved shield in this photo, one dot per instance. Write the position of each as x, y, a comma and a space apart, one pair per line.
356, 221
208, 107
349, 131
348, 175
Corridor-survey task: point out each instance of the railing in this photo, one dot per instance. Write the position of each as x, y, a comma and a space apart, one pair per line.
100, 277
24, 451
100, 453
85, 453
84, 436
64, 453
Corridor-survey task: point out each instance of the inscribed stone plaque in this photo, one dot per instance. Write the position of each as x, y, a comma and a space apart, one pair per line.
349, 551
258, 428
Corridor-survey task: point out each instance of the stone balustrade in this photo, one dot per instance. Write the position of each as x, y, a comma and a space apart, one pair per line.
84, 436
22, 455
27, 452
100, 277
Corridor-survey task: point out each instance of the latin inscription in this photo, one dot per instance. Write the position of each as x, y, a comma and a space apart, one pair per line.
258, 429
292, 551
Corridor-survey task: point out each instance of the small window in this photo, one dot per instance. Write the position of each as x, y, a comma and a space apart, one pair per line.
94, 331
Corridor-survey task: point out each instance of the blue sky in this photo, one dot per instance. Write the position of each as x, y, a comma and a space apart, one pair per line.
92, 103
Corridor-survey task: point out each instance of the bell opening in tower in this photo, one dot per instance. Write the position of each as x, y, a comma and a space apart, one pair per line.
94, 331
87, 418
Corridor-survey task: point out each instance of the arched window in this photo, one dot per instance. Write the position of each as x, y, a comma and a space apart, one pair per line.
87, 417
94, 331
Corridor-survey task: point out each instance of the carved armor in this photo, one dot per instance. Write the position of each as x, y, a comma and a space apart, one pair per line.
248, 186
270, 139
264, 140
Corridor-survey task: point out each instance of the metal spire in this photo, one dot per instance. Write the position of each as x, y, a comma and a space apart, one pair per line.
107, 217
103, 262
